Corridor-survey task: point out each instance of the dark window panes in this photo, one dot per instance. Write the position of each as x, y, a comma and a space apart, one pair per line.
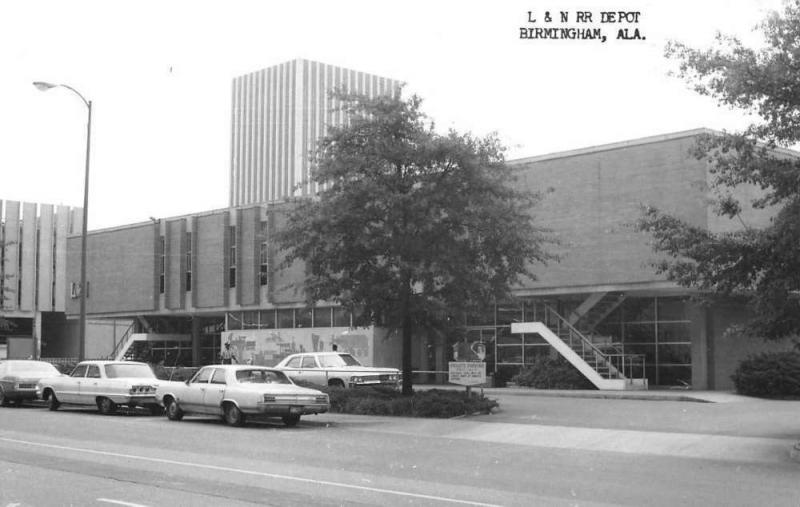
674, 332
80, 371
235, 321
672, 309
508, 338
534, 351
534, 339
267, 319
674, 354
294, 363
93, 371
640, 333
508, 313
649, 352
202, 376
208, 356
675, 376
483, 317
250, 320
611, 330
639, 310
208, 341
533, 311
509, 354
303, 317
341, 318
322, 317
286, 318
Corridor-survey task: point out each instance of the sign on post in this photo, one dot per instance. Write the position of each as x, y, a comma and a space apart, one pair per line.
467, 373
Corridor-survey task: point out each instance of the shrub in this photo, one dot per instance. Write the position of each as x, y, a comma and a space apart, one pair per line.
383, 401
552, 373
769, 374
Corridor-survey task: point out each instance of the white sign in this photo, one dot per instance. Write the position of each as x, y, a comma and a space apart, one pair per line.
467, 373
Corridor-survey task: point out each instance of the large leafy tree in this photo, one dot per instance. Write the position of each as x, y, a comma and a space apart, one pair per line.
412, 226
760, 264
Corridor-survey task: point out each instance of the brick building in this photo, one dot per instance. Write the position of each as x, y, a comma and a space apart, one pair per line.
186, 283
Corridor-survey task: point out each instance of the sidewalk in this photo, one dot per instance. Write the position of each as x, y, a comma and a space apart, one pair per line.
716, 425
653, 395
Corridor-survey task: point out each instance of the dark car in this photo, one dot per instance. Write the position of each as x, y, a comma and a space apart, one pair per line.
18, 379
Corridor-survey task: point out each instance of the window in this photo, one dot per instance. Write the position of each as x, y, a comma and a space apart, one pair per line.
293, 363
79, 371
188, 261
93, 371
232, 255
202, 376
163, 264
219, 376
309, 362
263, 273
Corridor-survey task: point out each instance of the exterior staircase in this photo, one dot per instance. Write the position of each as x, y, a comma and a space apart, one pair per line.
605, 367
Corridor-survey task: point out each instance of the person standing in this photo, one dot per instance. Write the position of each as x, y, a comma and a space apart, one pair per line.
227, 354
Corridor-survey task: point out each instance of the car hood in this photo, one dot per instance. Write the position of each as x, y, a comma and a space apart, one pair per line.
364, 369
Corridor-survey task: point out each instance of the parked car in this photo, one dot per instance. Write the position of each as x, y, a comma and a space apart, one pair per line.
106, 384
237, 392
18, 379
336, 369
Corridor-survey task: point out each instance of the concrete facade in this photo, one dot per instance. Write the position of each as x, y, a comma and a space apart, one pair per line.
277, 116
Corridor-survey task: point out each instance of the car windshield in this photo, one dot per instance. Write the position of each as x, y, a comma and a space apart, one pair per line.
258, 376
32, 367
337, 360
121, 370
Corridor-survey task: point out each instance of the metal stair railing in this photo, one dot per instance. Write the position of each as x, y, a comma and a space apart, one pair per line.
122, 342
606, 365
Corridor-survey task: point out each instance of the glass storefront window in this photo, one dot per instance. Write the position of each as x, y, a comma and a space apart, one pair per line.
286, 318
322, 317
303, 317
508, 313
341, 318
672, 309
250, 320
674, 354
639, 310
639, 333
267, 319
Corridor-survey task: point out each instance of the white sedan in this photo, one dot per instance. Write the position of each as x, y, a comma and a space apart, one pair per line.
106, 384
336, 369
237, 392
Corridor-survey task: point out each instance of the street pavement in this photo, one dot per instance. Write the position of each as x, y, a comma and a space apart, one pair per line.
572, 449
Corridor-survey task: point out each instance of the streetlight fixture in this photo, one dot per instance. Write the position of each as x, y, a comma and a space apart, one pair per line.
44, 86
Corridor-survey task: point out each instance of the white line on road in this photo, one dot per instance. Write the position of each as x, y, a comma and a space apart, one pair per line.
120, 502
250, 472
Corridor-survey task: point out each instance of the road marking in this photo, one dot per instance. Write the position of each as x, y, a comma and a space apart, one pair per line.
250, 472
120, 502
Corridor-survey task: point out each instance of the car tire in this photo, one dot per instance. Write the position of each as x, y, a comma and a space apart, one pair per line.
233, 415
174, 412
106, 407
52, 402
291, 420
4, 402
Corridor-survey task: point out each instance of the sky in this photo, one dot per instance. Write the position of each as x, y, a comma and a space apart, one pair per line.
159, 76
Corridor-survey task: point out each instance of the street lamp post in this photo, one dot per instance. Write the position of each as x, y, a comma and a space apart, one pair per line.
43, 86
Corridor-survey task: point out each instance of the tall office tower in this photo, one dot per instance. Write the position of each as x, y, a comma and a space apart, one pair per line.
278, 115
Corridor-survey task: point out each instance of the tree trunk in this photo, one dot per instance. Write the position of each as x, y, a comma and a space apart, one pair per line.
407, 331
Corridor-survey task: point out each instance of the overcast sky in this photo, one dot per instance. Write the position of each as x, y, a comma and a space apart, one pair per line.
159, 74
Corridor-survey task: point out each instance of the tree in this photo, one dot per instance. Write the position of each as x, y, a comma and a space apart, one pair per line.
412, 226
759, 264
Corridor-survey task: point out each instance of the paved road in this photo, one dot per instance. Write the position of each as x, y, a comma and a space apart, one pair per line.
525, 455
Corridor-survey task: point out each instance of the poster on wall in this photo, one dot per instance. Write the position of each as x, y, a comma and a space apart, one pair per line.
266, 347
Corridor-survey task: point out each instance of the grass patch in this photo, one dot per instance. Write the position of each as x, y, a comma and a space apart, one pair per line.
441, 403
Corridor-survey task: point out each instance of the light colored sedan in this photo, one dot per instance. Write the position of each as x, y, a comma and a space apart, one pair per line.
18, 379
106, 384
237, 392
336, 369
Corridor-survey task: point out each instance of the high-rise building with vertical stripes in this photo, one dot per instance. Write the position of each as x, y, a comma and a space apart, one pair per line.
278, 115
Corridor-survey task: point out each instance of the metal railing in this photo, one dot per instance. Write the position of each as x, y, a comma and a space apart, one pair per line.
122, 341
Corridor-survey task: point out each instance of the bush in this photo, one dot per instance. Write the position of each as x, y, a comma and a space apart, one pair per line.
383, 401
552, 373
769, 374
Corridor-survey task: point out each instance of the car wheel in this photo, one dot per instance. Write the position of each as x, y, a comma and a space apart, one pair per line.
291, 420
106, 407
174, 412
52, 401
233, 415
3, 399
